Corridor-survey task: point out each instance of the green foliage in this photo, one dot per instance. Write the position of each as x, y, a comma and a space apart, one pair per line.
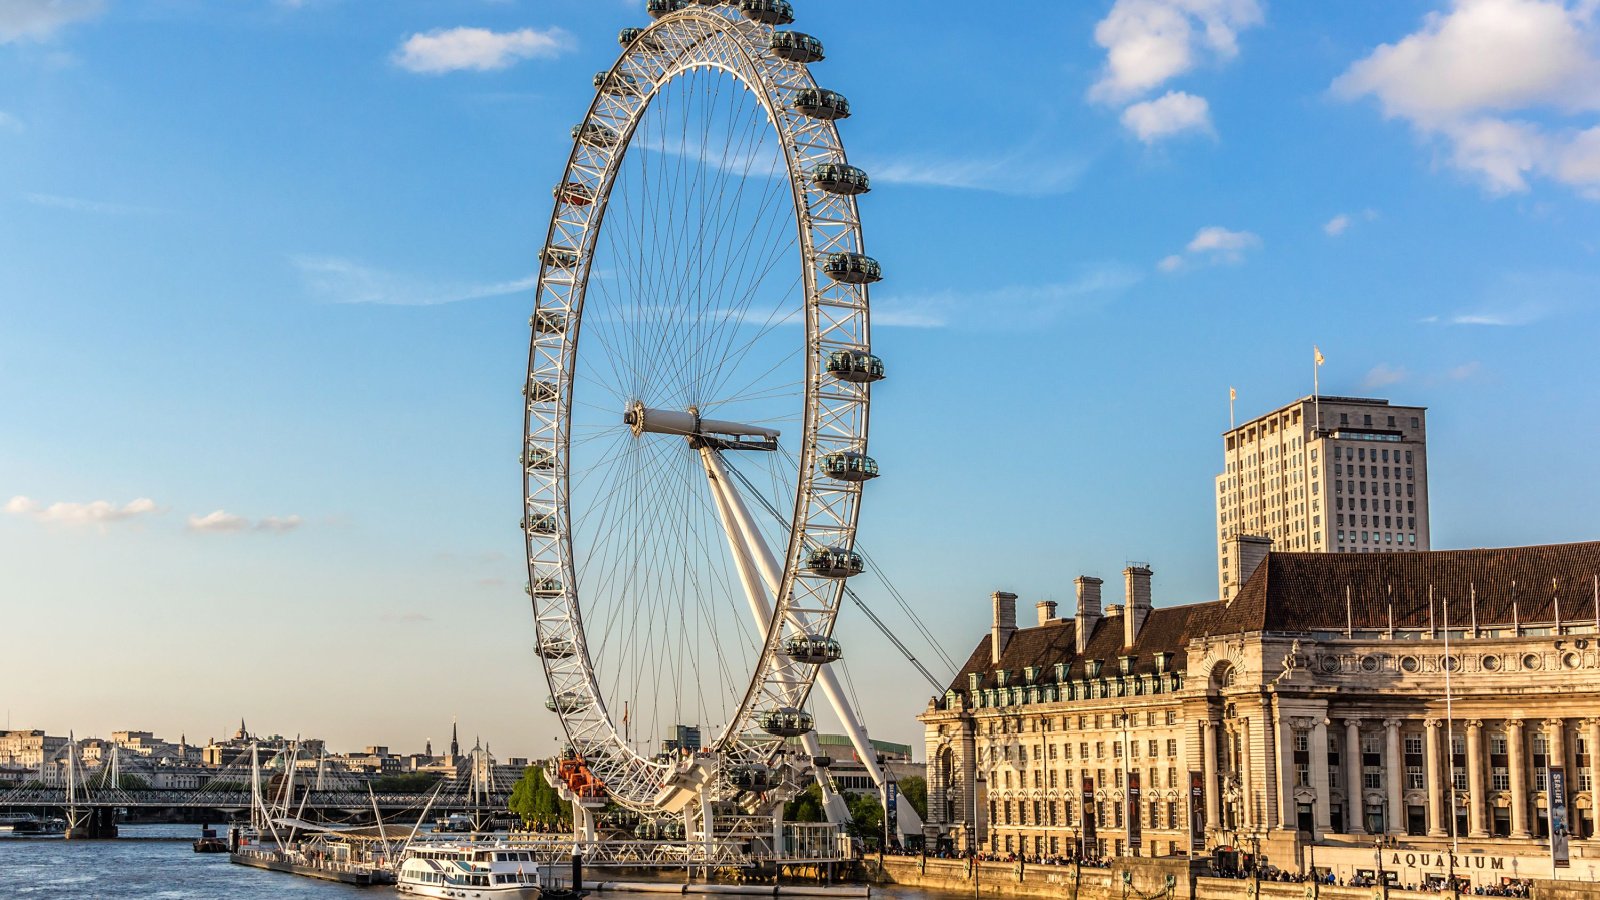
914, 790
806, 806
102, 779
535, 802
866, 817
409, 783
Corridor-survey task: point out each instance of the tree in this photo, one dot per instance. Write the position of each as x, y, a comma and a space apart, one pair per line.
866, 817
806, 806
914, 790
535, 802
408, 783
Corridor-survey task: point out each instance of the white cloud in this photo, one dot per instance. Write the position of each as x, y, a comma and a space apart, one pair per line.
1498, 82
1173, 113
1213, 244
1336, 225
478, 49
95, 512
1149, 42
1028, 175
39, 20
1463, 371
1383, 375
77, 204
224, 522
344, 281
8, 122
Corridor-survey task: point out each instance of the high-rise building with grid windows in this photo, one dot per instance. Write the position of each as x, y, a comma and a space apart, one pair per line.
1354, 480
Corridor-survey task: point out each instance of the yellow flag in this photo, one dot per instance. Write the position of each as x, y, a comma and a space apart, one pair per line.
1233, 394
1319, 357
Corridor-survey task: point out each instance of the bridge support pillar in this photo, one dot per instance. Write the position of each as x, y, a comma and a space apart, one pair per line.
95, 823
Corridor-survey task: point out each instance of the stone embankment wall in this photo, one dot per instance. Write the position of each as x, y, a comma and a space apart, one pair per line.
1147, 880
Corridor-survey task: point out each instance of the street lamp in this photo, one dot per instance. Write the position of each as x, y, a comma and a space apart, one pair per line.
977, 787
1380, 842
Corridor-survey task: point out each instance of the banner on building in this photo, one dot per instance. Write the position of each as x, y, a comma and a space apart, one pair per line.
890, 813
1197, 811
1558, 818
1135, 821
1088, 844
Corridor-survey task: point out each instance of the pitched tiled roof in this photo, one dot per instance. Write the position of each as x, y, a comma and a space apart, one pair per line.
1298, 592
1307, 591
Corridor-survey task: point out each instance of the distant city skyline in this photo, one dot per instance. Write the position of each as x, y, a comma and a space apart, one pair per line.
265, 278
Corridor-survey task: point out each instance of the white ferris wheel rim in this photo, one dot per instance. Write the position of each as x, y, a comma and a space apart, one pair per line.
835, 411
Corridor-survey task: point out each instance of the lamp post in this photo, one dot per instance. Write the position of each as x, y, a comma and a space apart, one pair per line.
1379, 843
977, 787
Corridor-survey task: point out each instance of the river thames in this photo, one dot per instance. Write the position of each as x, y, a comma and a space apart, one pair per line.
154, 862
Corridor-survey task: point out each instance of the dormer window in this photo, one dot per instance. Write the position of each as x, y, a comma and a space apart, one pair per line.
1091, 668
1127, 665
974, 681
1000, 677
1030, 674
1061, 672
1163, 659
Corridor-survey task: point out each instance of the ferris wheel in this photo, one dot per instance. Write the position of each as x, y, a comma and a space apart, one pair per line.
695, 445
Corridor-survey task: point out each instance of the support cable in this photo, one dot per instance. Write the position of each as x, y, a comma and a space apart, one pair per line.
905, 651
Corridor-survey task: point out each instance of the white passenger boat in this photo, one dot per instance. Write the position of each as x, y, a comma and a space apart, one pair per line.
468, 870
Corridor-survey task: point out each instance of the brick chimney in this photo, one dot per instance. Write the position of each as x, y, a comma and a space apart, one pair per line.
1005, 624
1243, 552
1088, 608
1047, 611
1137, 609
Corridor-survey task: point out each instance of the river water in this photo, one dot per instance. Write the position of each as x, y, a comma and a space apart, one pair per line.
155, 862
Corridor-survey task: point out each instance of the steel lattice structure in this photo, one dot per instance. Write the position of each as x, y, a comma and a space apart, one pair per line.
737, 41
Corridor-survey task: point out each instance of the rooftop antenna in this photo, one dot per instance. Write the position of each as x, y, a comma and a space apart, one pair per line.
1516, 620
1349, 614
1472, 593
1555, 591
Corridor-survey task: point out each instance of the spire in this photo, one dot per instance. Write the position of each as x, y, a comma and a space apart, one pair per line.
455, 745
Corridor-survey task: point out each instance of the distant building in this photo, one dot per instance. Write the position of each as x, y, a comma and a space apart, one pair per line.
685, 738
28, 748
1355, 481
849, 775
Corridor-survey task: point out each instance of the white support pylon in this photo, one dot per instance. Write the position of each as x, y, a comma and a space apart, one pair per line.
910, 822
833, 805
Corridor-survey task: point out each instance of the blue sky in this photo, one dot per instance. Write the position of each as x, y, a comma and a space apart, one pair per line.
264, 276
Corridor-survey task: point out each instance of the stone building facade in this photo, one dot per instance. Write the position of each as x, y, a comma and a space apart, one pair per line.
1339, 711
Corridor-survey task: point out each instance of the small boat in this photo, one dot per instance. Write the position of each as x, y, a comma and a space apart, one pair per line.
469, 870
208, 842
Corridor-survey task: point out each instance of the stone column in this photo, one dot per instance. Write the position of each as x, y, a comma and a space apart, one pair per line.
1355, 808
1394, 778
1322, 811
1285, 760
1208, 752
1516, 750
1594, 771
1247, 815
1475, 798
1556, 736
1436, 788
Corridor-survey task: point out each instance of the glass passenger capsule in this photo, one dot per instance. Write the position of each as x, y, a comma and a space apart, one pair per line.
538, 459
753, 779
833, 562
574, 193
813, 649
768, 12
855, 366
852, 268
821, 103
822, 762
557, 648
839, 178
593, 134
560, 257
796, 46
847, 465
548, 321
541, 391
566, 701
617, 84
786, 722
661, 8
539, 523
